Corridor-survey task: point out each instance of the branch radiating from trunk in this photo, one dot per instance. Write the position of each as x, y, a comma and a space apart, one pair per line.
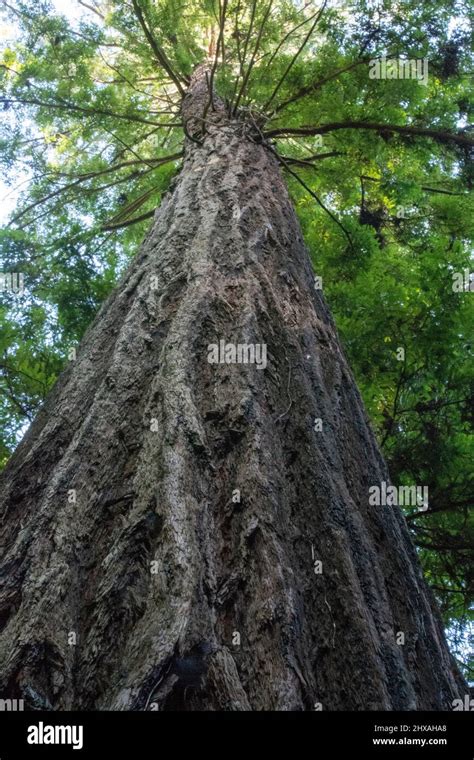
439, 135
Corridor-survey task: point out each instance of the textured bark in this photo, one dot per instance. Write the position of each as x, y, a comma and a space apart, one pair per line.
154, 440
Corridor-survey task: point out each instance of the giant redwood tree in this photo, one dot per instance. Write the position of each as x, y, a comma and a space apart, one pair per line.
181, 530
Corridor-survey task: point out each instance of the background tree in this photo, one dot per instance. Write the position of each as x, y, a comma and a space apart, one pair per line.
378, 171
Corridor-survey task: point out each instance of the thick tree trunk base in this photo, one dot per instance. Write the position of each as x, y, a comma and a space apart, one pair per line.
157, 588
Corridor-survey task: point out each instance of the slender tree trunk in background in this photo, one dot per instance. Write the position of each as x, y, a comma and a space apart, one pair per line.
131, 574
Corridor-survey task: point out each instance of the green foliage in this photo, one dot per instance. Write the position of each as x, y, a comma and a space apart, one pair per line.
92, 134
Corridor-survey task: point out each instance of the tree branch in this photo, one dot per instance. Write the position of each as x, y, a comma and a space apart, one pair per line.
24, 374
435, 134
91, 8
319, 83
252, 60
159, 53
288, 34
295, 57
133, 206
449, 507
244, 53
28, 414
401, 380
135, 220
318, 201
210, 80
309, 161
92, 175
423, 187
88, 111
443, 546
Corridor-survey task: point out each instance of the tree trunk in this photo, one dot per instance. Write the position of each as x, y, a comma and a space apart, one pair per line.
133, 576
